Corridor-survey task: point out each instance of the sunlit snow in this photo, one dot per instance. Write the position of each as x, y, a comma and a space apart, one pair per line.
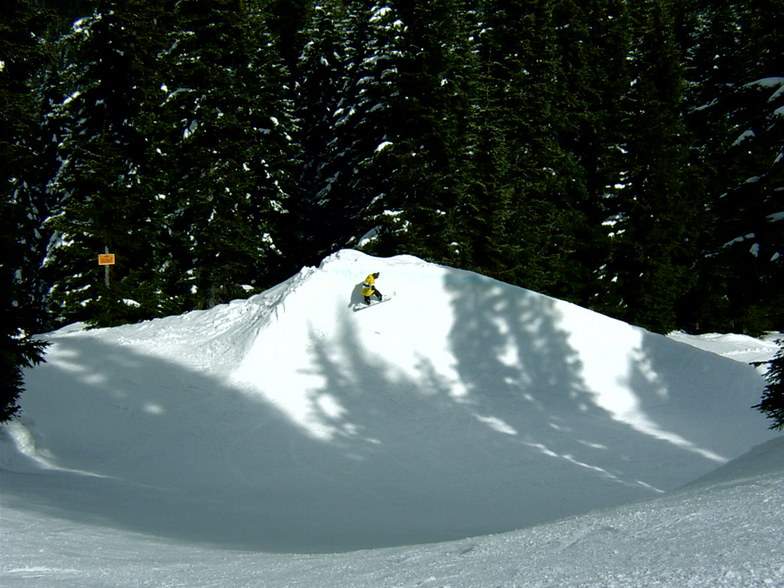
464, 433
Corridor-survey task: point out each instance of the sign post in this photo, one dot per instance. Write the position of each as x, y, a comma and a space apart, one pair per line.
106, 260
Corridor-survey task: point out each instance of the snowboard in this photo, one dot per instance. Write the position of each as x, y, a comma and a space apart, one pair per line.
373, 302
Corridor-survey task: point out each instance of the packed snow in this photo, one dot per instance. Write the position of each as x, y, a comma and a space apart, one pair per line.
465, 433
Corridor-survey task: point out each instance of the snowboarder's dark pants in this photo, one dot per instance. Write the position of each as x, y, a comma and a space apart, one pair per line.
376, 293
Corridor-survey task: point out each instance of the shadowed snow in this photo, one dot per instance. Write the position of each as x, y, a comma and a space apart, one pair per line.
288, 422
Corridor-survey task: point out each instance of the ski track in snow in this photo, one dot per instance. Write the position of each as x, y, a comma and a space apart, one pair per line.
463, 407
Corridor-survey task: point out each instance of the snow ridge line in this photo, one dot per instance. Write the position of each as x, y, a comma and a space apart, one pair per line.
292, 285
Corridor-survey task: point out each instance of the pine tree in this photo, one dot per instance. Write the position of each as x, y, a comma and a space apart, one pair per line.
524, 92
288, 20
23, 54
543, 143
735, 100
593, 43
320, 219
361, 123
68, 10
772, 403
484, 208
105, 183
650, 264
424, 168
227, 152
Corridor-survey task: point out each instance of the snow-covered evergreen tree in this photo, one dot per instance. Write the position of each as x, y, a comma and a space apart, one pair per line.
736, 97
652, 249
321, 220
523, 102
772, 403
423, 169
227, 152
106, 182
23, 53
625, 156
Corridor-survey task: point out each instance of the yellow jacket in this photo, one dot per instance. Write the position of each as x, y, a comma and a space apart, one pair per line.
368, 286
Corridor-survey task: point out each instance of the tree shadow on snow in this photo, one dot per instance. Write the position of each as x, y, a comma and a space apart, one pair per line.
567, 454
531, 380
506, 436
191, 458
703, 399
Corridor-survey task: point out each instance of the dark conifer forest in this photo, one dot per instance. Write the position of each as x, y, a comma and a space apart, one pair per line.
627, 156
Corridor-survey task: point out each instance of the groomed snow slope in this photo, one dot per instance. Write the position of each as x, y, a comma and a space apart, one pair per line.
287, 422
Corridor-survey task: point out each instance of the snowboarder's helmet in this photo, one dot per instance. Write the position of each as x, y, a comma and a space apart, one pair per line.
375, 275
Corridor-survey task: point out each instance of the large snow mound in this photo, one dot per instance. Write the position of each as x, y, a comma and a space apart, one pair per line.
288, 422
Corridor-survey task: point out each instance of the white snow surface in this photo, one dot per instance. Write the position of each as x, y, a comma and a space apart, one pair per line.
741, 348
466, 433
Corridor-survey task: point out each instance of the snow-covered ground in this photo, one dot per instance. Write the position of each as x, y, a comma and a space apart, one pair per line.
465, 433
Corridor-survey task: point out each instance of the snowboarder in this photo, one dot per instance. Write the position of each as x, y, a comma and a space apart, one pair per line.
369, 288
